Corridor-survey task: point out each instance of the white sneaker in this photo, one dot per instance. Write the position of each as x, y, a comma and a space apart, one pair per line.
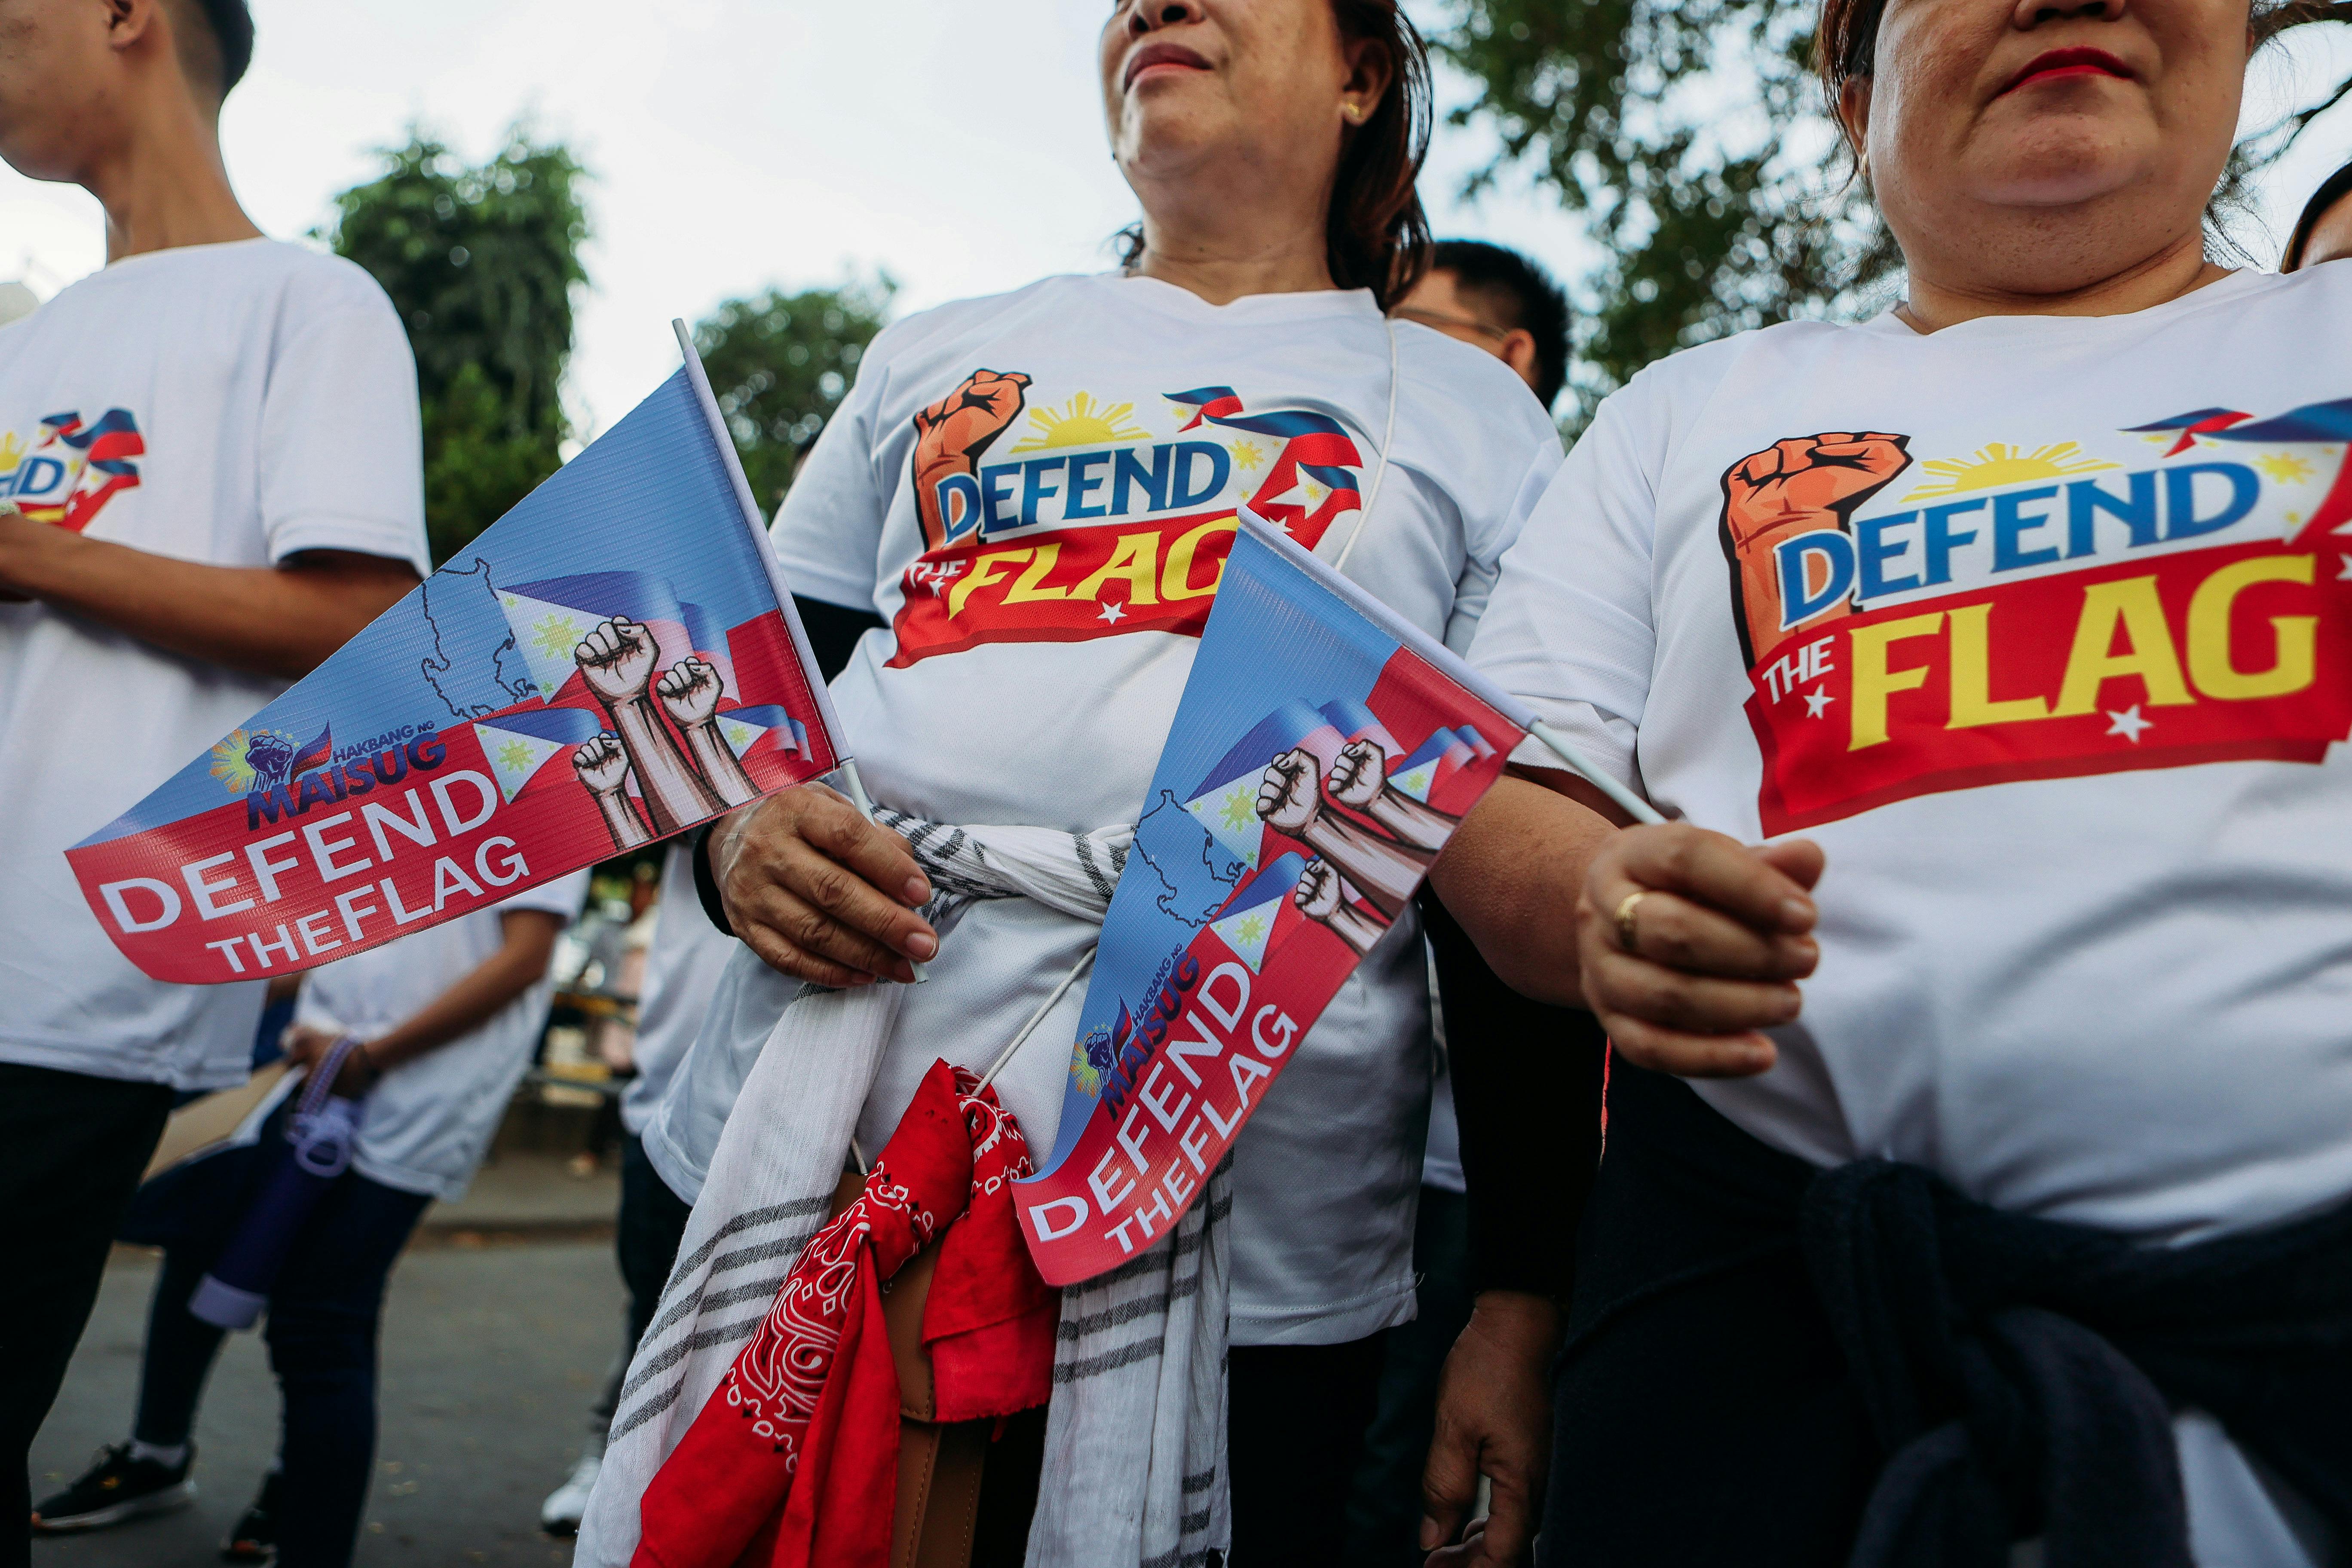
561, 1514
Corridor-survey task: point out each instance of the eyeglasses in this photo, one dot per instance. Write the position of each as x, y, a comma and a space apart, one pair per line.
1444, 322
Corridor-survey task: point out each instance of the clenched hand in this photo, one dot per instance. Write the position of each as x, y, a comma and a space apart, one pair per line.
820, 892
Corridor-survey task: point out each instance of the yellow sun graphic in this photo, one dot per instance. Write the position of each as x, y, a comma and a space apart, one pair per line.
1081, 422
2285, 467
514, 756
2000, 464
12, 452
229, 763
1251, 928
556, 635
1246, 456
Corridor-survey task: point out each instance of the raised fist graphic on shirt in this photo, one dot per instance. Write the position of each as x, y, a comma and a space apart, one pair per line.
1322, 896
1383, 870
1797, 486
1358, 780
950, 435
616, 660
689, 692
603, 771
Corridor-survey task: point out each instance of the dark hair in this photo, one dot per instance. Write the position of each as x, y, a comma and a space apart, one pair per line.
1845, 42
1520, 295
1377, 237
231, 25
2333, 189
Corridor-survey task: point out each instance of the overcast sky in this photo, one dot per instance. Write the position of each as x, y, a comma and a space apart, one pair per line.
742, 142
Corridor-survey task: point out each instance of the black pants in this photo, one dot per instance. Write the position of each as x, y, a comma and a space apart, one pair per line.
1296, 1417
645, 1239
324, 1312
1704, 1413
1384, 1509
71, 1149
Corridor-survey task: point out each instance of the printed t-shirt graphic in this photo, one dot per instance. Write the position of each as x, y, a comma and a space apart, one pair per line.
1015, 728
70, 470
1145, 523
2170, 594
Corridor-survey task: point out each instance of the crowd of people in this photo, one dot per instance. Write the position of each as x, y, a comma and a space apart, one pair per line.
1932, 1142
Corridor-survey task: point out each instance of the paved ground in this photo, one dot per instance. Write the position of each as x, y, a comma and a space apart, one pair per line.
492, 1352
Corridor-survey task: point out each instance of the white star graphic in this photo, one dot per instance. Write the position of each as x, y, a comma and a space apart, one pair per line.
2129, 724
1817, 702
1112, 611
2345, 574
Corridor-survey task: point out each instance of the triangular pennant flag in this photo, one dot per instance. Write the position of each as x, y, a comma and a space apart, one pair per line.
1229, 811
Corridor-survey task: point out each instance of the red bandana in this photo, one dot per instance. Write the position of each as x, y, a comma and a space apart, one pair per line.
793, 1461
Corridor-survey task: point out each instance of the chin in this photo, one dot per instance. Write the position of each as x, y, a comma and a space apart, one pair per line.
2060, 165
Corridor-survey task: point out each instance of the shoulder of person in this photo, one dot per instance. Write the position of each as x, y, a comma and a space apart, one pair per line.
1466, 420
937, 327
318, 281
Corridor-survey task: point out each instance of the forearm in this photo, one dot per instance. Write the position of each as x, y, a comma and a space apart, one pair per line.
280, 621
1509, 876
719, 764
483, 992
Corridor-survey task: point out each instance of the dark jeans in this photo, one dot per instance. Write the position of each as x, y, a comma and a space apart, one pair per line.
71, 1149
1384, 1511
652, 1222
1296, 1417
324, 1315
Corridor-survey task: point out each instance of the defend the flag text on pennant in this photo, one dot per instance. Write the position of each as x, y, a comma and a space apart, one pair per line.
616, 660
1322, 754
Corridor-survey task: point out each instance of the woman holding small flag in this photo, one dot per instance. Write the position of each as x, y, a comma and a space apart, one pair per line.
1033, 495
2026, 603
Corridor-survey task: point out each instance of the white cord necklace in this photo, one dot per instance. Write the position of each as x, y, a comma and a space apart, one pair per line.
1379, 472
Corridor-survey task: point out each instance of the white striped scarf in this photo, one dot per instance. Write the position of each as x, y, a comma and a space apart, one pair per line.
1135, 1435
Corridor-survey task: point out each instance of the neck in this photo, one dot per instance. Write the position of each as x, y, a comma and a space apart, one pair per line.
166, 186
1224, 245
1942, 297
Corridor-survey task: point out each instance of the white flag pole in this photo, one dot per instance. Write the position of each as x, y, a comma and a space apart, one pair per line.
1583, 767
846, 768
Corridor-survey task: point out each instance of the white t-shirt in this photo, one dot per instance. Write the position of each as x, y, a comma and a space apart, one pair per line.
681, 970
427, 1126
227, 403
2076, 760
1030, 675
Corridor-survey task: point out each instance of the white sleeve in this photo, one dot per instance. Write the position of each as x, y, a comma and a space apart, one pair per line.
560, 896
828, 533
1570, 627
1486, 540
342, 464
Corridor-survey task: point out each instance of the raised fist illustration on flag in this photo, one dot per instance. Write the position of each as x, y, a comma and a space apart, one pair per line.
604, 772
617, 660
951, 435
689, 692
1794, 487
1382, 871
1358, 780
1322, 896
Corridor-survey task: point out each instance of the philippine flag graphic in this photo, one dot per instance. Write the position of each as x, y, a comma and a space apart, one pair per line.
550, 617
317, 755
1260, 910
1225, 803
520, 746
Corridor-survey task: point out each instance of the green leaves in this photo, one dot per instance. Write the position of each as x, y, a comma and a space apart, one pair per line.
780, 363
480, 262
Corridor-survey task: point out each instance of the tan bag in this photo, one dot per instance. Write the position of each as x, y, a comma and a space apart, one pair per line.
940, 1463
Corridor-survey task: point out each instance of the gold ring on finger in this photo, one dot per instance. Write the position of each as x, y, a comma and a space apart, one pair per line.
1626, 936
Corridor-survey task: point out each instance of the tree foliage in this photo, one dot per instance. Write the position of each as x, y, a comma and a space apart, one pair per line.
480, 262
780, 363
1693, 134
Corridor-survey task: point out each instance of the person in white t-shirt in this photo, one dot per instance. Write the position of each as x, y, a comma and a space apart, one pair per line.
1035, 492
2029, 603
209, 479
446, 1021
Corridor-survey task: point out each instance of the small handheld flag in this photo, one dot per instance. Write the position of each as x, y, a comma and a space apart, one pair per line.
1323, 754
614, 661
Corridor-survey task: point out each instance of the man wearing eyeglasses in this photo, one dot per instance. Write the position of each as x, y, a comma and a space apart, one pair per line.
1498, 300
